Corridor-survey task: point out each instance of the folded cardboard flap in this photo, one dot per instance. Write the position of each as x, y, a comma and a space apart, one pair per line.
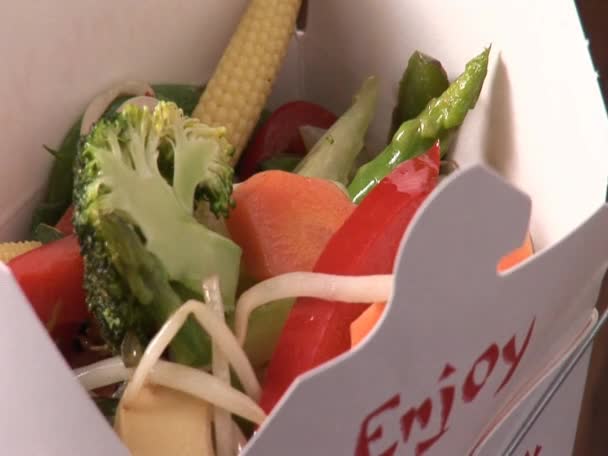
44, 408
542, 434
458, 343
539, 121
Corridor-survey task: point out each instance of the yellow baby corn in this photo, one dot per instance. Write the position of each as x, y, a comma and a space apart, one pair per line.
9, 250
239, 88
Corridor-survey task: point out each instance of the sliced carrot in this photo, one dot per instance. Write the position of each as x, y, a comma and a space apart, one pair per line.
363, 325
517, 256
282, 221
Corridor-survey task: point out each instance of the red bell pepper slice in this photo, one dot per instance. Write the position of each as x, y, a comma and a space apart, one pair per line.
65, 222
51, 277
317, 330
280, 133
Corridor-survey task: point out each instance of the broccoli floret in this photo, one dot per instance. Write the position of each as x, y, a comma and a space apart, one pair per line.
117, 174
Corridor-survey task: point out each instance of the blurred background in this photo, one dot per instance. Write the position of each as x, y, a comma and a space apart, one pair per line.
592, 435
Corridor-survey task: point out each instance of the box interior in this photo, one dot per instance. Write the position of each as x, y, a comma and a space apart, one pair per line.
540, 121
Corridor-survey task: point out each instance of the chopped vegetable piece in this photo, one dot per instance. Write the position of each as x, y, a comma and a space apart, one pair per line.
117, 172
517, 256
265, 325
280, 134
65, 222
423, 79
364, 324
183, 95
282, 221
436, 122
311, 135
334, 155
282, 162
45, 233
241, 83
10, 250
60, 185
51, 278
367, 243
59, 188
165, 422
107, 406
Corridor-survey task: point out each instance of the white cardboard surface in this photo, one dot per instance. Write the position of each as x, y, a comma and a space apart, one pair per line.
456, 350
540, 122
44, 409
540, 108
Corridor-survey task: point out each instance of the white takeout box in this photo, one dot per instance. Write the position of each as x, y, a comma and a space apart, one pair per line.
461, 354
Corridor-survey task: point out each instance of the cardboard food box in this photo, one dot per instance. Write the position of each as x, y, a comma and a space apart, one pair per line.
456, 364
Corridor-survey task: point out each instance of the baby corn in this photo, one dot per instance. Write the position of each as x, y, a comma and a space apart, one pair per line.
243, 79
10, 250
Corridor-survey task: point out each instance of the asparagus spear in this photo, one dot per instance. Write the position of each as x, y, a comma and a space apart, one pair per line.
440, 117
423, 79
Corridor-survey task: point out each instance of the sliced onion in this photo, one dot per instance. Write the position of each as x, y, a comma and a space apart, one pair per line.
143, 101
224, 435
311, 135
218, 332
356, 289
185, 379
101, 102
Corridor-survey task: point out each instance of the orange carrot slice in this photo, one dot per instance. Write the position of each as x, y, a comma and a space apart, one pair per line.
364, 324
517, 256
282, 221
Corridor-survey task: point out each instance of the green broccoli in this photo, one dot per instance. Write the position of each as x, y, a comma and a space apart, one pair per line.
118, 173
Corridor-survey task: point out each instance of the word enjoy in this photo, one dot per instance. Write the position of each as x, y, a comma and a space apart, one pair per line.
537, 451
422, 414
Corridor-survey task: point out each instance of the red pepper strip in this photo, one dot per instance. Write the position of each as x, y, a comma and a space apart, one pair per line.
317, 330
51, 277
65, 222
280, 134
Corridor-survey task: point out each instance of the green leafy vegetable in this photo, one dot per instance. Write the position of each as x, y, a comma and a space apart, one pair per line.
130, 285
46, 233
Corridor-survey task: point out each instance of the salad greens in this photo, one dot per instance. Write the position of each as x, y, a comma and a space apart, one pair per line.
117, 173
437, 121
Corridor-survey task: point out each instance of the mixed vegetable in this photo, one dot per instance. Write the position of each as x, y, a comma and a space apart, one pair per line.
177, 238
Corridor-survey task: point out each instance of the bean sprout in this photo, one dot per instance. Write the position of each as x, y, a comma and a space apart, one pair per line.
186, 379
355, 289
224, 435
218, 332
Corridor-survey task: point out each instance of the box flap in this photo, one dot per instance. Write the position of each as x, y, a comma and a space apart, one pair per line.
44, 408
458, 341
